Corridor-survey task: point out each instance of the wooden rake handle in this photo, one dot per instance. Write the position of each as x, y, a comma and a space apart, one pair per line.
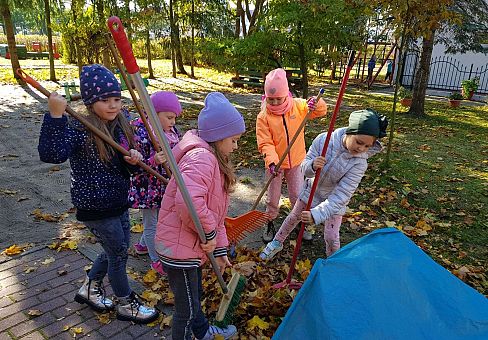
153, 139
287, 150
31, 81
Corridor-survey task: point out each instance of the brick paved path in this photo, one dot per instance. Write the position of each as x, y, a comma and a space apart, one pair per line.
44, 289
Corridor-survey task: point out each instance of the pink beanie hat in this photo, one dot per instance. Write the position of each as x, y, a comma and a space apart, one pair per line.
166, 101
276, 84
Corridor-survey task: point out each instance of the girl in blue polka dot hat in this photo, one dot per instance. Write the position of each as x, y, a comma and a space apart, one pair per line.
99, 185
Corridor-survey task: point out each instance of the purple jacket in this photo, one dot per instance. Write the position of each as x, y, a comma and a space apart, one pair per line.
146, 191
177, 240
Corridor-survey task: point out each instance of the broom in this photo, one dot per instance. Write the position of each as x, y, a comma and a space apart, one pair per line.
238, 227
99, 133
231, 294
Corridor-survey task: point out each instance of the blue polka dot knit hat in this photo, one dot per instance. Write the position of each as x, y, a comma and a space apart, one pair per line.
96, 83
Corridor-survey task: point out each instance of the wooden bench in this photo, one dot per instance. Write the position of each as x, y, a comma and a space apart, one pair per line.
248, 77
295, 80
70, 91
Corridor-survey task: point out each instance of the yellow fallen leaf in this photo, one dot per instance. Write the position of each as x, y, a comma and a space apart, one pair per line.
29, 270
257, 322
104, 318
77, 330
137, 228
65, 328
48, 261
34, 312
13, 250
150, 277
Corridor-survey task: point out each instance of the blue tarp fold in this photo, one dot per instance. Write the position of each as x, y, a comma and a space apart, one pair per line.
383, 286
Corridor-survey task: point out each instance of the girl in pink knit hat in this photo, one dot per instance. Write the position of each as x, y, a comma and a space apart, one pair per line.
276, 124
146, 191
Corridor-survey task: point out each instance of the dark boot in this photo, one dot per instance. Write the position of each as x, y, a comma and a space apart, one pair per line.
269, 232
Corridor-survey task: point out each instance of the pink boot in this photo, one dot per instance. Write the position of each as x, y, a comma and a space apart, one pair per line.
140, 249
158, 266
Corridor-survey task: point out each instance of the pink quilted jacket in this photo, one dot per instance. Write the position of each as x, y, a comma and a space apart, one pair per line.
176, 236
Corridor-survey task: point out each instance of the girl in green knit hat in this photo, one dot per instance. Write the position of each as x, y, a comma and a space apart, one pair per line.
344, 165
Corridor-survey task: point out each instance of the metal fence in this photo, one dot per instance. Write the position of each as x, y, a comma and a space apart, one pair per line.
446, 73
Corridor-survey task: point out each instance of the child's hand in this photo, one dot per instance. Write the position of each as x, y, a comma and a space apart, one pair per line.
223, 262
272, 170
307, 217
312, 103
209, 246
56, 104
135, 156
160, 157
318, 163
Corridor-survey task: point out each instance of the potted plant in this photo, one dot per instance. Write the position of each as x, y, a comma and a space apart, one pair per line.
455, 99
469, 87
405, 96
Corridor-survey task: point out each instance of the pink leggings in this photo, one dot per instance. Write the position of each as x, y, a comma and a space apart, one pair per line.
331, 228
294, 182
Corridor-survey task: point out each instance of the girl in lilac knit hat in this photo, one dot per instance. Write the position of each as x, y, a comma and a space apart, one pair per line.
146, 191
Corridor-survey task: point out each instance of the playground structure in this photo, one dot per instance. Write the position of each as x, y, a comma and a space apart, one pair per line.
35, 51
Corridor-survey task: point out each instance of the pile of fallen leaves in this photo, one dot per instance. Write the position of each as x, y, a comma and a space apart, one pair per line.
261, 308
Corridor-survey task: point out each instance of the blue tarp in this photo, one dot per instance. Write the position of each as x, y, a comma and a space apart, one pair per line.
383, 286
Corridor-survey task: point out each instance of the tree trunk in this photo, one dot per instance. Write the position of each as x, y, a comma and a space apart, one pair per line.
395, 95
172, 38
149, 58
237, 31
175, 31
192, 62
422, 77
79, 57
105, 52
12, 46
52, 74
255, 14
303, 63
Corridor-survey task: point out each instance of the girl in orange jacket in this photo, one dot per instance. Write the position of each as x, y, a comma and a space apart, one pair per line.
276, 124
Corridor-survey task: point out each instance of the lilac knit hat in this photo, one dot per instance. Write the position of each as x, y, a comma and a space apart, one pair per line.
97, 82
219, 119
165, 101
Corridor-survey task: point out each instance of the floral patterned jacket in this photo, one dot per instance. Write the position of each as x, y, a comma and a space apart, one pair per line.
146, 191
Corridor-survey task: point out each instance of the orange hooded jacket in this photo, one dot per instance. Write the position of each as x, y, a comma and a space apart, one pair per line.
274, 132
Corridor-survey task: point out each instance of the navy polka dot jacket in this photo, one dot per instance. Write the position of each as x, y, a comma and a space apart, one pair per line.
99, 190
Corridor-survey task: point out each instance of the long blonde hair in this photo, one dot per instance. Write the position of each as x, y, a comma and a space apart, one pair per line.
105, 151
226, 167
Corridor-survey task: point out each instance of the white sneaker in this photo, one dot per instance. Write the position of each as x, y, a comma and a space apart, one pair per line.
271, 249
222, 333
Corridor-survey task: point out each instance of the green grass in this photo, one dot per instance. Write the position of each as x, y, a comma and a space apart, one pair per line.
438, 173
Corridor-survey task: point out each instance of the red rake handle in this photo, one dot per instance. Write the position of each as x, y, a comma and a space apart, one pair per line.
130, 62
324, 150
118, 33
31, 81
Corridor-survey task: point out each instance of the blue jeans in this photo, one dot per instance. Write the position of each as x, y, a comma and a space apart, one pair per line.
150, 221
114, 235
186, 285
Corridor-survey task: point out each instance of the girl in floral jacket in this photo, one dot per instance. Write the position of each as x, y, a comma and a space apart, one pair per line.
146, 191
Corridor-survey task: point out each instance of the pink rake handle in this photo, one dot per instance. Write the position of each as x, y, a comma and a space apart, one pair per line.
350, 64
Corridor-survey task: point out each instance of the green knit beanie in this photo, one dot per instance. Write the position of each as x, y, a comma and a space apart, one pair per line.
367, 122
